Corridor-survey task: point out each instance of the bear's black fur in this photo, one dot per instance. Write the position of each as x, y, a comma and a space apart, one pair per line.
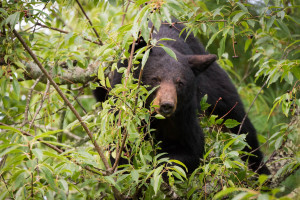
183, 83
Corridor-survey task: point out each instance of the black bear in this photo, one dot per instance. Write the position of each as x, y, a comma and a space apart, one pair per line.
182, 84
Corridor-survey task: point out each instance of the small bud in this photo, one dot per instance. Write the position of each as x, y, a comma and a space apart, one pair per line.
251, 36
146, 3
151, 11
155, 8
256, 51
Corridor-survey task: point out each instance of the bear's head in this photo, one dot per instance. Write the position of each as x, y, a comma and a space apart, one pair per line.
175, 78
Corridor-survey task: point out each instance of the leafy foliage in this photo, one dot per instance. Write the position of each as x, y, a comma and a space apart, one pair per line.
44, 150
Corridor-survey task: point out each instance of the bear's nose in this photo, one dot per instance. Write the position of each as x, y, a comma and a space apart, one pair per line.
166, 108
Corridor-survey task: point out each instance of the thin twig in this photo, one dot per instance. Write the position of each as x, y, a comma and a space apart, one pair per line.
28, 100
229, 110
101, 43
220, 98
62, 117
11, 193
97, 147
233, 43
40, 118
58, 150
265, 83
64, 23
81, 106
68, 133
66, 32
41, 104
141, 71
32, 194
119, 152
125, 12
217, 20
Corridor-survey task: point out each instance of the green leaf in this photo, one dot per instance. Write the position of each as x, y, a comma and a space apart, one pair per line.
101, 76
38, 153
111, 180
225, 192
47, 134
48, 176
145, 58
222, 46
155, 18
159, 116
230, 123
238, 16
169, 51
213, 37
296, 72
157, 178
64, 185
11, 129
251, 23
16, 87
113, 2
270, 22
107, 83
278, 142
166, 14
242, 7
179, 170
217, 11
179, 163
21, 65
13, 19
247, 44
262, 178
230, 143
283, 27
203, 103
8, 150
135, 175
266, 2
264, 197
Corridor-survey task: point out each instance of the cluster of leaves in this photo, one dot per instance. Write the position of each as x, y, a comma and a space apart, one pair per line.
44, 153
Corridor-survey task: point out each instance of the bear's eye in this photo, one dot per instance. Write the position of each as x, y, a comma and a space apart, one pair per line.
180, 84
155, 80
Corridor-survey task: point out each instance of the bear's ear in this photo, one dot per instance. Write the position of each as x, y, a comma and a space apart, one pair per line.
200, 63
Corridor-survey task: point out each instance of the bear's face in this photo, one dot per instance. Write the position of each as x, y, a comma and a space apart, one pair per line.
176, 79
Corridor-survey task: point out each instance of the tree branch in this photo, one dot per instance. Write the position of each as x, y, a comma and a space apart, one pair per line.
67, 132
99, 150
41, 104
58, 150
97, 147
69, 76
89, 22
126, 132
65, 32
242, 123
28, 100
